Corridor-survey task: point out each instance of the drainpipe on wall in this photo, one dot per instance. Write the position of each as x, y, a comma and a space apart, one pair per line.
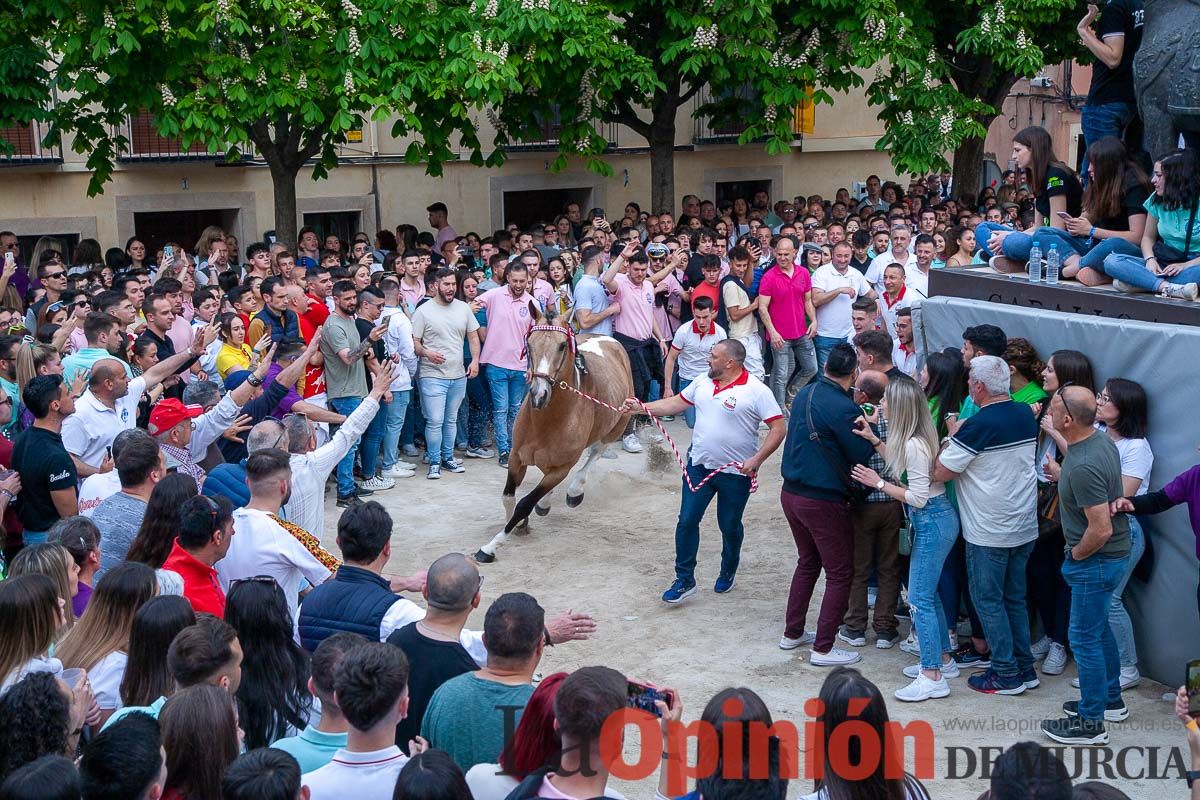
375, 171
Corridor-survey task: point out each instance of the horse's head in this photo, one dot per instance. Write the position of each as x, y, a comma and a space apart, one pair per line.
549, 351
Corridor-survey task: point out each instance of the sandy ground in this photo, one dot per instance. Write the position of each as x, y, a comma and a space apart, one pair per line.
613, 557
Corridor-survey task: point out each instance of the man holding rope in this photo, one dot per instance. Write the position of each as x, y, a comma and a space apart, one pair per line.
724, 458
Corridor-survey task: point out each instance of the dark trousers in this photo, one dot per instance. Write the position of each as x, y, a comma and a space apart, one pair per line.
1049, 593
732, 493
824, 539
954, 589
876, 540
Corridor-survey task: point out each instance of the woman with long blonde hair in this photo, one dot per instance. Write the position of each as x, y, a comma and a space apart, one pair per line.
911, 450
99, 643
31, 616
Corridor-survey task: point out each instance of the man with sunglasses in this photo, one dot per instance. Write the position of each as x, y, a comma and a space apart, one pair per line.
53, 277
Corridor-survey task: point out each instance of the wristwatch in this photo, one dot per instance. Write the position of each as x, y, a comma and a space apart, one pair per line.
254, 380
879, 486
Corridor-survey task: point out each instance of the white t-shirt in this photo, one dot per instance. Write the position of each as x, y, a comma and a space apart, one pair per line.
1137, 459
97, 488
878, 264
89, 431
918, 285
106, 679
692, 349
727, 419
361, 776
260, 546
888, 309
833, 318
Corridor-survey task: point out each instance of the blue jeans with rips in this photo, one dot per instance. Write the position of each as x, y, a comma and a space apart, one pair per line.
440, 400
997, 576
508, 392
732, 493
934, 530
1092, 582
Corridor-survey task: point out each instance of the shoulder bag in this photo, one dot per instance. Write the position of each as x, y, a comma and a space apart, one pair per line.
1164, 254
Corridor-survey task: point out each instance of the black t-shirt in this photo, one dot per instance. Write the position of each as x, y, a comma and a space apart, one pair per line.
379, 348
1059, 182
431, 663
45, 466
862, 265
1133, 195
1119, 18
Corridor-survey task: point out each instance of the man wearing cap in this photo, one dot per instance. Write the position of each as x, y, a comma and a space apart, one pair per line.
437, 218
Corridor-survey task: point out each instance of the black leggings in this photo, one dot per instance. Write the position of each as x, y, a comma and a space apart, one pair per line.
1048, 593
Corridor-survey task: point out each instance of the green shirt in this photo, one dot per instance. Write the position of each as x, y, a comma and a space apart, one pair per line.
1091, 476
1029, 394
1172, 225
469, 717
342, 379
312, 749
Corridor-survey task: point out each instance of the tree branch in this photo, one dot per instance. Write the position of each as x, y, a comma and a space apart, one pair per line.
625, 115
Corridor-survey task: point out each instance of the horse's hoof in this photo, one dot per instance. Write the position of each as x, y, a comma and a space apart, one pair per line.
573, 501
541, 512
483, 558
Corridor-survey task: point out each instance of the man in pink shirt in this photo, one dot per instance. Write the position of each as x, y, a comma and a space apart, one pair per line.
412, 282
541, 289
785, 306
636, 327
508, 323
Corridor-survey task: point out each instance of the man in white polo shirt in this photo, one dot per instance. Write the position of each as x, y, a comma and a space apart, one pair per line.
371, 689
690, 349
730, 404
835, 287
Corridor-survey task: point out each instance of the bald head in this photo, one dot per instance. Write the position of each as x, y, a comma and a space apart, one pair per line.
452, 583
106, 369
872, 384
266, 435
299, 433
1080, 403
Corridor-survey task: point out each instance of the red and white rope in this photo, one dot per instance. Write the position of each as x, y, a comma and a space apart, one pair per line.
674, 449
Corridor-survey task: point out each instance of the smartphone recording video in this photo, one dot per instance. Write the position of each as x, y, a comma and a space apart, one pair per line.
644, 697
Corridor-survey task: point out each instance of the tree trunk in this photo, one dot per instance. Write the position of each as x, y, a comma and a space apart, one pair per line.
968, 167
283, 181
662, 167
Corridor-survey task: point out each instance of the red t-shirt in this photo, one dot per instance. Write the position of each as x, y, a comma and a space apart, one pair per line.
314, 374
317, 313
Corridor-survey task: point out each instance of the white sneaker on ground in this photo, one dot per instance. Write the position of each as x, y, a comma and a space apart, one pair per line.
836, 657
786, 643
911, 645
400, 469
1056, 660
1040, 648
377, 483
1130, 677
480, 452
655, 436
923, 688
950, 670
630, 443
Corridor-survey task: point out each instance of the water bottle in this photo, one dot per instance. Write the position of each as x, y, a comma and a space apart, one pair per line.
1052, 265
1035, 263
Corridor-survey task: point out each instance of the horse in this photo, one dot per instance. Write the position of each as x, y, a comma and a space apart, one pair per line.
556, 425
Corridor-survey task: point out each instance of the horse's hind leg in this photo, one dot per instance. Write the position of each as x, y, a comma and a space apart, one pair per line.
521, 512
575, 489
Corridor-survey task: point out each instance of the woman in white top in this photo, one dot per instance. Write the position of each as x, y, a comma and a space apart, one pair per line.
910, 450
100, 641
1122, 412
32, 612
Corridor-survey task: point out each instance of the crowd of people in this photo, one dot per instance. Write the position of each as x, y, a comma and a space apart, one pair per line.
172, 415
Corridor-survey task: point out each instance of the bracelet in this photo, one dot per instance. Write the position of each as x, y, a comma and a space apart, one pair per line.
1092, 233
8, 494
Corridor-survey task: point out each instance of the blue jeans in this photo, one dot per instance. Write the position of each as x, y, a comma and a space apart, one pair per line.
1092, 582
479, 407
1132, 270
934, 530
30, 538
997, 576
440, 400
1118, 617
1098, 121
508, 392
824, 346
732, 493
397, 410
372, 441
794, 366
1016, 244
954, 589
1089, 257
345, 468
689, 413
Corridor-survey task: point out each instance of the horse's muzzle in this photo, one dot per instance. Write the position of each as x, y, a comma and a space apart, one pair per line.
539, 392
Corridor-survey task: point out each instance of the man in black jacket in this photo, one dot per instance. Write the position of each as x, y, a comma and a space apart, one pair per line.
819, 451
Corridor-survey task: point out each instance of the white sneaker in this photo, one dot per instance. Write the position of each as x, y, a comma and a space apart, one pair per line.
950, 670
1056, 660
786, 643
1040, 648
1130, 677
1179, 291
377, 483
630, 443
1128, 288
401, 469
923, 688
911, 645
836, 657
655, 436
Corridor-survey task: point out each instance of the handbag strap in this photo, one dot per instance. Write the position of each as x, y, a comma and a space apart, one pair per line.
1187, 242
843, 474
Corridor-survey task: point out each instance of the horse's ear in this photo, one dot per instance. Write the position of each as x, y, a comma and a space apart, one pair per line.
551, 313
535, 312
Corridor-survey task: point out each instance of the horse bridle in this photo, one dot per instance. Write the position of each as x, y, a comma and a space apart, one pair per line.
571, 350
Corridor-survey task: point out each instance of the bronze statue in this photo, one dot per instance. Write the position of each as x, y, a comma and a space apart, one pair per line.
1166, 74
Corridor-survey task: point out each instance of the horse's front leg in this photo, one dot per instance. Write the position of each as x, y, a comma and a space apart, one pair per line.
522, 510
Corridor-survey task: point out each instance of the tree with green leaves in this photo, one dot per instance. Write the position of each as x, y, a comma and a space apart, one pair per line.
291, 79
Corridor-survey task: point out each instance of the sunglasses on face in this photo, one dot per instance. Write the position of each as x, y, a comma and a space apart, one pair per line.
54, 275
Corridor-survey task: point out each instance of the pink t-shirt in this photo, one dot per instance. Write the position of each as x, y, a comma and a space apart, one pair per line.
543, 292
636, 319
787, 300
508, 323
668, 317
